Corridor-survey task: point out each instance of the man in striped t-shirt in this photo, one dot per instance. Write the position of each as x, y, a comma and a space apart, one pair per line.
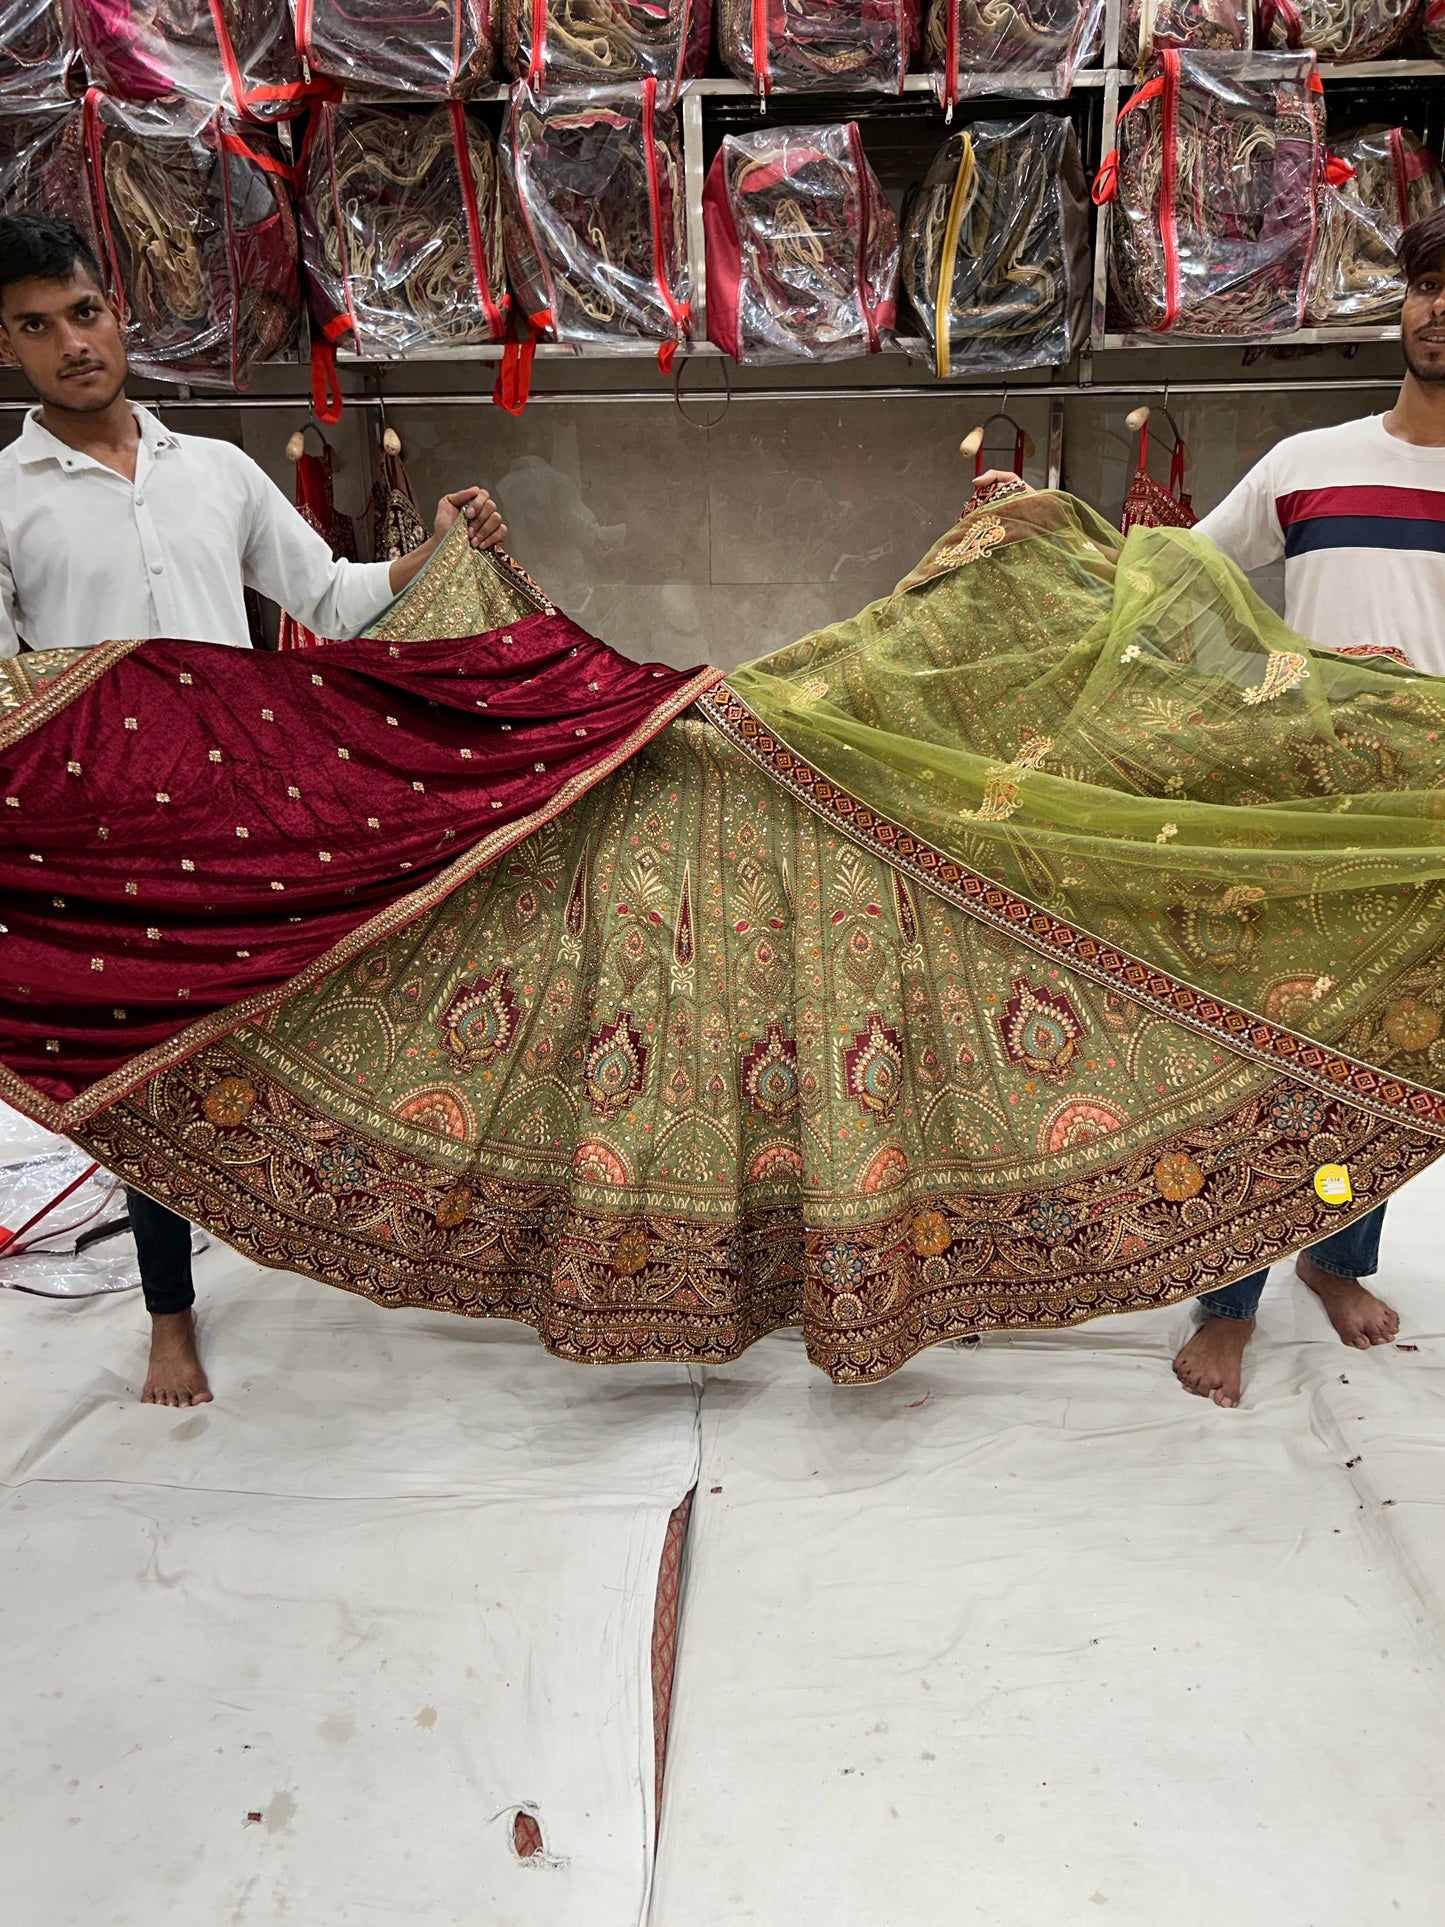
1358, 513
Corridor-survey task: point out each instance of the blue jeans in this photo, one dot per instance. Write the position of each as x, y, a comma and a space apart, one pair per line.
1351, 1253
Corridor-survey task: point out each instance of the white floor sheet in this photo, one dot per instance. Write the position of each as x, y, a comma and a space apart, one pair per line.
1023, 1637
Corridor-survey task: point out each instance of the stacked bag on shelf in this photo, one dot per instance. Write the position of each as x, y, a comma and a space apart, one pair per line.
222, 153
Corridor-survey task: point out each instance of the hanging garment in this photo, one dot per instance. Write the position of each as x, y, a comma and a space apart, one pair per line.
1147, 503
397, 525
808, 45
995, 257
1216, 183
316, 504
1381, 181
603, 43
425, 49
802, 247
1062, 935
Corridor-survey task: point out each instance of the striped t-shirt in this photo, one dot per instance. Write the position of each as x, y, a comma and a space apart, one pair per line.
1359, 517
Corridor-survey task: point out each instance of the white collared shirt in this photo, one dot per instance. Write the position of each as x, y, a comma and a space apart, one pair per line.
86, 555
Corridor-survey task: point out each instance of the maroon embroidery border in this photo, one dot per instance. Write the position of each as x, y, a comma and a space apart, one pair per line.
1239, 1030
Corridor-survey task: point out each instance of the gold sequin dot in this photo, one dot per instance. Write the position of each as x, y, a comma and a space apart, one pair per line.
317, 681
74, 768
97, 963
466, 756
392, 721
325, 855
393, 650
52, 1043
131, 890
506, 725
183, 993
507, 641
12, 802
241, 830
579, 732
186, 677
292, 791
344, 754
153, 934
36, 859
495, 804
57, 903
186, 863
277, 886
593, 685
373, 822
268, 716
119, 1016
213, 755
539, 767
163, 796
420, 788
102, 832
131, 723
243, 953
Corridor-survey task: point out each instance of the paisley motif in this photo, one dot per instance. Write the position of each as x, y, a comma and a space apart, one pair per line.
873, 1067
616, 1065
768, 1074
481, 1020
1041, 1029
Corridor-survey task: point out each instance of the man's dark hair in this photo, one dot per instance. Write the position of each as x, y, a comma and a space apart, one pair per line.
43, 247
1422, 247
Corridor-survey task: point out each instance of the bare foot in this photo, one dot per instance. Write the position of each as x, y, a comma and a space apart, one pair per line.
175, 1375
1211, 1365
1360, 1318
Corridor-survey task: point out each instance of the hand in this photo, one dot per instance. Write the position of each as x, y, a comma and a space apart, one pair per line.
997, 475
485, 527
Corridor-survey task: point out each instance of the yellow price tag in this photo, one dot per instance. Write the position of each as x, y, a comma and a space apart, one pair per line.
1332, 1184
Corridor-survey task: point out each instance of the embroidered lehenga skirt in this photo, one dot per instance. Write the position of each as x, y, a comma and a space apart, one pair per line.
1042, 943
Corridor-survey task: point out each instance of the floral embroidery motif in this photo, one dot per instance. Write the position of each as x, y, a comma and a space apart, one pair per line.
340, 1168
616, 1065
1041, 1029
1297, 1114
1411, 1025
230, 1102
1220, 930
1077, 1121
930, 1234
1286, 670
481, 1020
873, 1067
455, 1207
985, 535
769, 1075
1178, 1177
437, 1109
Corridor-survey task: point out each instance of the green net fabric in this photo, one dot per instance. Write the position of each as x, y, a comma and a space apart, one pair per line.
1019, 951
1120, 730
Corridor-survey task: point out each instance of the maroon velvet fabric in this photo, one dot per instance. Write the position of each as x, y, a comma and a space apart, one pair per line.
200, 823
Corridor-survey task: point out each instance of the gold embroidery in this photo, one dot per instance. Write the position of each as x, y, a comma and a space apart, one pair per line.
214, 755
74, 768
983, 536
812, 689
1286, 670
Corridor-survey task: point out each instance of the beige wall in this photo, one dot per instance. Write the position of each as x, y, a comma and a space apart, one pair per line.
684, 544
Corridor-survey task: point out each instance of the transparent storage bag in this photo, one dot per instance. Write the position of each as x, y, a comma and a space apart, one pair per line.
1336, 29
1215, 185
400, 234
1380, 182
192, 212
35, 48
600, 43
1147, 27
1010, 46
996, 248
802, 247
593, 217
236, 54
428, 49
805, 45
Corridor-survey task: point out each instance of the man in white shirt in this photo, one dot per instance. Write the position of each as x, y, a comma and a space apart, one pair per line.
1358, 514
112, 526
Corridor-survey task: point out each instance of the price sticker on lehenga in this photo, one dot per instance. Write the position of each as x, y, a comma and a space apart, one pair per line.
1332, 1184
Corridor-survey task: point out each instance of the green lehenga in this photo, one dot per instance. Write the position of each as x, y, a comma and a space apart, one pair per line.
1016, 952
